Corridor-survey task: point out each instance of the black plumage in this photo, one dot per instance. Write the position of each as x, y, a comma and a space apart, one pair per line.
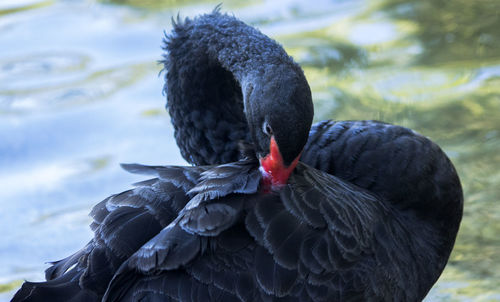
369, 214
224, 80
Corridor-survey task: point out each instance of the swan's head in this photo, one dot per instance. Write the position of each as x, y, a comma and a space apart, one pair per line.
279, 111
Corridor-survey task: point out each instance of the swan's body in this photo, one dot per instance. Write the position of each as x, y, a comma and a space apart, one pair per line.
371, 213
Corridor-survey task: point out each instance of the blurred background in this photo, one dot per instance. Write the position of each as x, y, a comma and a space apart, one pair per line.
80, 93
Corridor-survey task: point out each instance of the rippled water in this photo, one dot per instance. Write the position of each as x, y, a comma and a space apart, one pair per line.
80, 93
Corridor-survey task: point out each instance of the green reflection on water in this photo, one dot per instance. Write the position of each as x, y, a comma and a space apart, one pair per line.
5, 287
452, 30
11, 10
163, 4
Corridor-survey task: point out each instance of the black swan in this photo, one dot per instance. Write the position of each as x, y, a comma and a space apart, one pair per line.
369, 213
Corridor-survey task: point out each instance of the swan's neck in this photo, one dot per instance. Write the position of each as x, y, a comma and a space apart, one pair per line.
212, 63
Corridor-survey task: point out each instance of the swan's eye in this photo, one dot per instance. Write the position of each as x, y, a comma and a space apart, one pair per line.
266, 128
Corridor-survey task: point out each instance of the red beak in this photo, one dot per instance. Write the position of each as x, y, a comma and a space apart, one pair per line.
274, 171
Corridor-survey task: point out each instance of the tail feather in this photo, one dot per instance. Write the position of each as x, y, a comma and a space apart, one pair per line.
59, 267
64, 288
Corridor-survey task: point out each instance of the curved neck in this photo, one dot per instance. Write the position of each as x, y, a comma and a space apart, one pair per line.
212, 64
